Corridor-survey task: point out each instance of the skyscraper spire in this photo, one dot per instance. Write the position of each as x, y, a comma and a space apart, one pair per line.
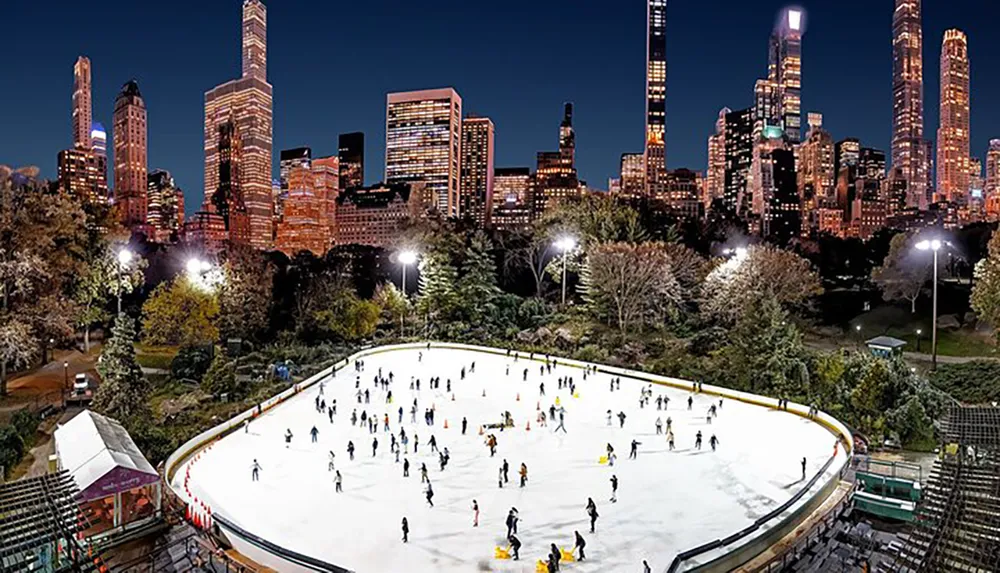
908, 146
953, 133
656, 95
254, 39
785, 71
82, 110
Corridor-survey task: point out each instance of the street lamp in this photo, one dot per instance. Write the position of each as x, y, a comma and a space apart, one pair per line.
933, 245
200, 273
406, 258
125, 257
565, 244
919, 332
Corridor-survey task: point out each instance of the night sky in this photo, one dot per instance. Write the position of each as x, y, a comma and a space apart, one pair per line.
333, 61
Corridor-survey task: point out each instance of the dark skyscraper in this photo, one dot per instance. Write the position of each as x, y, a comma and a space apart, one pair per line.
739, 156
555, 176
290, 159
228, 199
909, 149
871, 163
783, 215
352, 159
656, 96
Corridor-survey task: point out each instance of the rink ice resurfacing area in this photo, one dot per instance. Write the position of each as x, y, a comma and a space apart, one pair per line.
667, 501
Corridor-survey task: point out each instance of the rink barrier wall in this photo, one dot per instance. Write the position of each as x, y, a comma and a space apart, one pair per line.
296, 559
723, 562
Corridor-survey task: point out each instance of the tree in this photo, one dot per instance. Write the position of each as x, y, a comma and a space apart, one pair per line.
220, 378
531, 250
124, 392
17, 348
245, 294
477, 289
902, 275
986, 290
438, 279
737, 285
630, 285
349, 318
393, 304
766, 351
104, 276
180, 313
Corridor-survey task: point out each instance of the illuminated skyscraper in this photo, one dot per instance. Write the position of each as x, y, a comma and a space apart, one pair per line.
815, 172
326, 180
656, 96
352, 159
992, 185
908, 145
130, 155
423, 136
84, 173
739, 155
165, 212
303, 225
871, 164
555, 174
82, 109
953, 133
290, 159
512, 198
99, 139
785, 70
247, 103
715, 176
477, 170
632, 175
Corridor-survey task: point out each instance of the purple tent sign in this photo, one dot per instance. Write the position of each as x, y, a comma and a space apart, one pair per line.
116, 481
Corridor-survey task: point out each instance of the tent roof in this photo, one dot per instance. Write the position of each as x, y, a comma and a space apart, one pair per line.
886, 341
91, 445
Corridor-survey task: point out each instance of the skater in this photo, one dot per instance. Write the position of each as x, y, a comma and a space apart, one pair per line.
288, 437
366, 396
621, 419
329, 466
374, 446
511, 522
634, 452
697, 440
645, 567
465, 424
659, 426
406, 467
554, 555
416, 442
515, 546
592, 512
670, 423
659, 402
434, 444
713, 441
400, 415
614, 489
541, 389
255, 470
580, 544
430, 494
314, 433
670, 439
803, 468
524, 474
475, 513
406, 530
504, 469
354, 418
561, 426
525, 374
338, 482
609, 417
500, 477
350, 449
331, 411
690, 402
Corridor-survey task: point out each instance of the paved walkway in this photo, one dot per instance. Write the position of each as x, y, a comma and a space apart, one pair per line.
44, 385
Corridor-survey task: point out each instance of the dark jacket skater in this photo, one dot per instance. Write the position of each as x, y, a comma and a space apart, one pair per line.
515, 545
580, 544
406, 530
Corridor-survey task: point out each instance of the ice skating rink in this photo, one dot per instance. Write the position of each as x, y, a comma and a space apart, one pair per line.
667, 501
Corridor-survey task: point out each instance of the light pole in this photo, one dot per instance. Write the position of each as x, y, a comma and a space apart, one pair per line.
124, 258
565, 244
405, 258
933, 245
919, 332
66, 387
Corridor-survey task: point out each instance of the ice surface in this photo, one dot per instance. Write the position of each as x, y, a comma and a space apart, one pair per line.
667, 501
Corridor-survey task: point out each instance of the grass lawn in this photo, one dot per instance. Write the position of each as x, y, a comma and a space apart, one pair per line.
950, 342
155, 356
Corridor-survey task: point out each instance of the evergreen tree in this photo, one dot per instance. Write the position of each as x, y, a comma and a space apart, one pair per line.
124, 391
438, 295
478, 286
766, 352
986, 292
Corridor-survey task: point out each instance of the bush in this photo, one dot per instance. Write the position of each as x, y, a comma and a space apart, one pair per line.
591, 353
11, 448
25, 423
221, 378
976, 382
191, 363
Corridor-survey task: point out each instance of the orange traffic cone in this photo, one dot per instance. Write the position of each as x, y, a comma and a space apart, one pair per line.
446, 424
187, 513
528, 427
518, 396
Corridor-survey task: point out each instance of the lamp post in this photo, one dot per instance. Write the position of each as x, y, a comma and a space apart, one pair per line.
919, 332
124, 258
66, 387
405, 258
934, 246
565, 244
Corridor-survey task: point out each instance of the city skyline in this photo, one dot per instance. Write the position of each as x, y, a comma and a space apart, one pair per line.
604, 131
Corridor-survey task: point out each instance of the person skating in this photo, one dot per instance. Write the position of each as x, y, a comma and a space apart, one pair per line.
610, 416
634, 452
670, 423
580, 544
511, 522
475, 513
614, 488
314, 433
515, 546
659, 426
690, 402
713, 441
354, 418
406, 531
645, 567
670, 439
659, 402
561, 425
400, 415
430, 494
465, 424
621, 419
338, 482
423, 473
331, 412
416, 442
350, 449
500, 477
505, 468
592, 512
255, 470
541, 389
434, 444
406, 467
330, 466
524, 474
803, 468
374, 446
555, 555
697, 440
366, 396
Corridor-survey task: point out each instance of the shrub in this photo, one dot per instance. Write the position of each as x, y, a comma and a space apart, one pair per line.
191, 363
976, 382
25, 423
11, 448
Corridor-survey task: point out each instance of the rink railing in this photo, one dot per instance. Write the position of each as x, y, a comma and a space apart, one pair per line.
842, 433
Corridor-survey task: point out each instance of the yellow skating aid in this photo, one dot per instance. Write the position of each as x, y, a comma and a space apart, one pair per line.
602, 460
541, 567
502, 553
577, 395
566, 555
557, 400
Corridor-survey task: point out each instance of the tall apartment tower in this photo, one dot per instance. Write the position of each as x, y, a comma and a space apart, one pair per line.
992, 185
785, 71
352, 159
656, 96
953, 132
82, 108
715, 176
909, 157
129, 138
477, 170
555, 172
423, 136
739, 156
247, 102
